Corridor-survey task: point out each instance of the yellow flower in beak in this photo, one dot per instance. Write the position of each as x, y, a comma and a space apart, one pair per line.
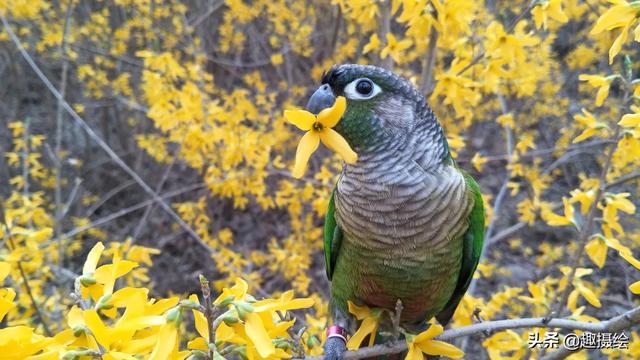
319, 128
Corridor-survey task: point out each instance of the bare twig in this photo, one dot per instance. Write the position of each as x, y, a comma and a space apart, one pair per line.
623, 179
150, 208
111, 193
208, 309
128, 210
212, 8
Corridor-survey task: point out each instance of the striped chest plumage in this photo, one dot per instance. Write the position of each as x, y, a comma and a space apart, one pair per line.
403, 228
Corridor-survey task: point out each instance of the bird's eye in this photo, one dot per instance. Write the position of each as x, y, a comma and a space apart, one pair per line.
364, 87
361, 89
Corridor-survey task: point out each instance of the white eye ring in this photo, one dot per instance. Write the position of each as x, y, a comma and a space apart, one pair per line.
351, 92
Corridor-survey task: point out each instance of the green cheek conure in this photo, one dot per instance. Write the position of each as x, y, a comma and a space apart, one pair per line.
404, 221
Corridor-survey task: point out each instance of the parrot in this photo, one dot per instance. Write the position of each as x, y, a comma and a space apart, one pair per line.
404, 223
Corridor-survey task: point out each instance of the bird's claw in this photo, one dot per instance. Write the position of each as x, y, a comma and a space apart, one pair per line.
334, 348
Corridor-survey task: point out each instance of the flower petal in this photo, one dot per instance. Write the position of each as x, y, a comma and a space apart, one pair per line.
360, 312
617, 44
6, 302
166, 341
414, 353
92, 259
4, 270
307, 146
602, 94
435, 347
202, 326
587, 133
238, 291
337, 143
597, 251
630, 120
589, 295
615, 17
367, 327
258, 334
331, 116
301, 118
433, 331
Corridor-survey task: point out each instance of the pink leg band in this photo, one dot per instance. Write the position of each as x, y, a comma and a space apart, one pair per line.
337, 331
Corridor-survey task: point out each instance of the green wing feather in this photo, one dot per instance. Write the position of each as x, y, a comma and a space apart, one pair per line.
332, 237
472, 249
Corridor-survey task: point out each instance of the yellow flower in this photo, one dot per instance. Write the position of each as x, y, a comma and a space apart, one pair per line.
506, 120
630, 120
92, 259
319, 128
597, 250
373, 44
592, 125
87, 280
621, 15
395, 48
238, 291
166, 343
558, 220
478, 161
602, 83
258, 335
548, 8
284, 303
277, 59
580, 288
108, 274
505, 341
369, 326
200, 320
584, 198
6, 295
538, 294
615, 202
424, 343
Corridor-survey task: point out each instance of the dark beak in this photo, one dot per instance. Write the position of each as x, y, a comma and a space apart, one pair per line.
321, 99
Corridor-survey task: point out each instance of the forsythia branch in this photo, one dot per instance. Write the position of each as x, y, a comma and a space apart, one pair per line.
617, 323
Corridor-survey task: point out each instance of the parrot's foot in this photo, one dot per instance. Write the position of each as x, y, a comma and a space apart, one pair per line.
334, 348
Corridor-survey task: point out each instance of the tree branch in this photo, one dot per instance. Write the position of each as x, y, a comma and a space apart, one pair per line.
429, 62
615, 324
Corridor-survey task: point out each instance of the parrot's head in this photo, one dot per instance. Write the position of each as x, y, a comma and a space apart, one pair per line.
382, 107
